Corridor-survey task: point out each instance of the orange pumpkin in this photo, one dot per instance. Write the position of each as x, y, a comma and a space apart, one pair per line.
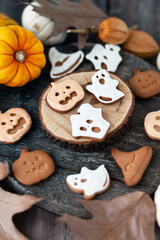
6, 20
21, 56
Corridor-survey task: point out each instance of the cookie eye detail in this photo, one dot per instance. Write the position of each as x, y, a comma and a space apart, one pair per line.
89, 121
3, 123
157, 117
105, 57
83, 180
96, 58
83, 129
75, 183
111, 49
68, 87
157, 128
13, 114
57, 94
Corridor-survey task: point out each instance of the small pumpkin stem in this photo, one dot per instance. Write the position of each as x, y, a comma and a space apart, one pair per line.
20, 56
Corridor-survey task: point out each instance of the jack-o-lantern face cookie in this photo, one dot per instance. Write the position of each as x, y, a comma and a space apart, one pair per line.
145, 84
64, 96
14, 124
33, 167
152, 125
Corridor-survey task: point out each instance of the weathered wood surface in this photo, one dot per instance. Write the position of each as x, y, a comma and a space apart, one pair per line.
36, 223
62, 199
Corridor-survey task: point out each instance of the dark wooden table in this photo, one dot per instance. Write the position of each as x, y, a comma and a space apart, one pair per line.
38, 224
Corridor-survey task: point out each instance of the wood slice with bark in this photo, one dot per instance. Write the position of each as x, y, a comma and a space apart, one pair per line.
58, 126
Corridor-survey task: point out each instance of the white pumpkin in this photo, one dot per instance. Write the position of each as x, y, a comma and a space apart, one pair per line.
41, 26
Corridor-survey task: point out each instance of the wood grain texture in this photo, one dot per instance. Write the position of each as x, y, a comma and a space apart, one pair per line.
118, 114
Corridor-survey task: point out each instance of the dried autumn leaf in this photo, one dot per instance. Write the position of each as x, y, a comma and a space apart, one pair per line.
4, 170
11, 204
81, 15
113, 30
141, 44
131, 216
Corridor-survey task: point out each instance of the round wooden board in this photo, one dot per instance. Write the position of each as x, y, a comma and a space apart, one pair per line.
118, 114
61, 199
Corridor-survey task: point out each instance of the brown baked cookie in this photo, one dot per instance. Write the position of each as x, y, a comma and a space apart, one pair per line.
145, 84
64, 96
133, 164
14, 124
152, 125
33, 167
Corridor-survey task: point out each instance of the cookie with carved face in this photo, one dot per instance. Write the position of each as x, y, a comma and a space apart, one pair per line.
64, 96
152, 125
14, 124
145, 84
33, 167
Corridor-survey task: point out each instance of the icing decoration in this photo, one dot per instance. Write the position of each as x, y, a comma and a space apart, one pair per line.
89, 182
107, 57
65, 95
63, 63
89, 123
104, 87
152, 125
158, 61
157, 203
14, 124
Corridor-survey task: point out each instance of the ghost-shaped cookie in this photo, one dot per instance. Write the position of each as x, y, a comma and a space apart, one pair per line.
89, 182
107, 57
104, 88
63, 63
89, 123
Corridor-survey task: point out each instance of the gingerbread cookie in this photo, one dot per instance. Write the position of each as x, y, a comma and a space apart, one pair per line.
62, 63
89, 182
14, 124
64, 96
145, 84
104, 87
107, 57
152, 125
133, 164
33, 167
157, 203
89, 123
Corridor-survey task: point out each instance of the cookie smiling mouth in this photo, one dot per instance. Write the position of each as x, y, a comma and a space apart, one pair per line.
67, 99
19, 125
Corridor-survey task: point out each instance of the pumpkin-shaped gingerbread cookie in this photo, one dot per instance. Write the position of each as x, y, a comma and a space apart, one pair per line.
152, 125
14, 124
65, 95
33, 167
21, 56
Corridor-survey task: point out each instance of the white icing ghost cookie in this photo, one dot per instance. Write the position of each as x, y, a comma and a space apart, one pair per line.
89, 123
107, 57
104, 87
89, 182
62, 63
157, 203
